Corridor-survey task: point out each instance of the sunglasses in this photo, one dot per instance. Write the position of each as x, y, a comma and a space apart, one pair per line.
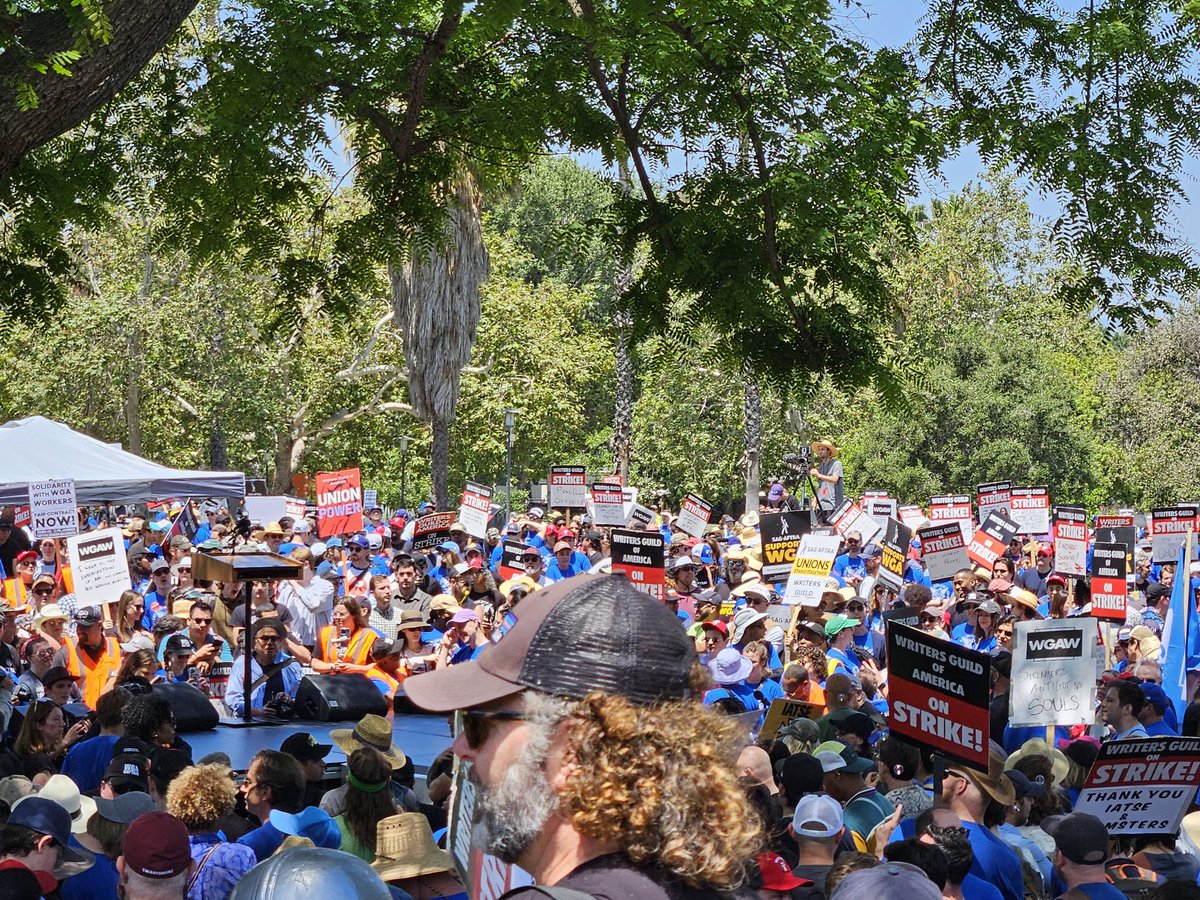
201, 621
43, 592
477, 723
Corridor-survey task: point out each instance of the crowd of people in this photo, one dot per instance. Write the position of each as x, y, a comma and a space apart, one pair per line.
613, 739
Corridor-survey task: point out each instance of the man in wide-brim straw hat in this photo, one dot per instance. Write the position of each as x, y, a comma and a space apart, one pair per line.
828, 473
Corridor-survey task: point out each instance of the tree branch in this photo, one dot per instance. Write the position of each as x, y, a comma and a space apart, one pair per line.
139, 30
352, 370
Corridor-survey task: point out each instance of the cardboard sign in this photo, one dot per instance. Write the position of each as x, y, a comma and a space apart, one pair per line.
780, 713
1142, 786
641, 556
510, 565
781, 534
943, 549
694, 514
939, 694
1030, 509
912, 516
98, 566
1119, 530
52, 509
879, 506
21, 516
608, 504
953, 508
994, 497
339, 503
1070, 541
810, 571
991, 540
894, 544
1110, 584
264, 509
568, 487
370, 498
475, 510
431, 530
640, 516
1168, 530
1053, 673
848, 516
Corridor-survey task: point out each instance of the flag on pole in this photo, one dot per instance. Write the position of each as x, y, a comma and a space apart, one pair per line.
1181, 634
184, 524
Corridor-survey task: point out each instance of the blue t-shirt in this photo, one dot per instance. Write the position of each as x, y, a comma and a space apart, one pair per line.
263, 840
99, 880
554, 573
1101, 890
846, 565
996, 862
1161, 729
86, 761
741, 692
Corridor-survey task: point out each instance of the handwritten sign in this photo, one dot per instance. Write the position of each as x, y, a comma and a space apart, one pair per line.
1054, 672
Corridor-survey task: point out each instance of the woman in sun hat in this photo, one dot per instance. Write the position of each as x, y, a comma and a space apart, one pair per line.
368, 801
374, 732
729, 670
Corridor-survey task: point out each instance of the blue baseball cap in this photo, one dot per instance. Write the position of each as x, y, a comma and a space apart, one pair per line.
449, 545
1155, 695
333, 542
312, 822
359, 540
46, 817
424, 506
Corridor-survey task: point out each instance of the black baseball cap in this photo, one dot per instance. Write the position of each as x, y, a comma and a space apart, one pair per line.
1082, 839
55, 674
128, 744
572, 638
304, 747
128, 770
88, 616
179, 644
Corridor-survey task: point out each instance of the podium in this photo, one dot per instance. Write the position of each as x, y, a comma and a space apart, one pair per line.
245, 567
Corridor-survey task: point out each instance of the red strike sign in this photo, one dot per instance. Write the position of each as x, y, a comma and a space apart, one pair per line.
339, 502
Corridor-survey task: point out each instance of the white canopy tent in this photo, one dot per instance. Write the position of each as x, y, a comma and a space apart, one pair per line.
39, 449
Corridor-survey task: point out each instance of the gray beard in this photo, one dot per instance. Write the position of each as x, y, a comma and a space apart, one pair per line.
511, 814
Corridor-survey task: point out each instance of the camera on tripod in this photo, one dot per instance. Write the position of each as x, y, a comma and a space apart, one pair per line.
800, 461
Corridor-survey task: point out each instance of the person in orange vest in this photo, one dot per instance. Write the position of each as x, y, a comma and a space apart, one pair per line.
385, 669
345, 646
90, 657
16, 589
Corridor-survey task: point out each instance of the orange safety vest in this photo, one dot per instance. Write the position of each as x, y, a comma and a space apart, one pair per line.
94, 677
358, 652
16, 592
66, 581
377, 674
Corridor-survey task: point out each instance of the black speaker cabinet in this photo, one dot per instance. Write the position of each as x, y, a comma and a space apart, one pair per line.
339, 698
193, 711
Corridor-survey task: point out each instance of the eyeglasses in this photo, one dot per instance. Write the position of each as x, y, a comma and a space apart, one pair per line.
269, 639
477, 723
43, 592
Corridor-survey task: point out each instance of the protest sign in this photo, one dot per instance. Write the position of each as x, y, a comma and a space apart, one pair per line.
612, 479
953, 508
943, 549
640, 516
641, 556
52, 509
1110, 583
568, 487
510, 560
694, 514
339, 502
431, 530
810, 571
98, 566
905, 615
608, 504
780, 713
263, 509
894, 544
1119, 529
991, 540
1030, 509
629, 497
1142, 785
781, 533
21, 516
1054, 670
912, 516
1070, 541
1168, 530
879, 506
475, 509
782, 615
939, 694
848, 516
370, 498
994, 497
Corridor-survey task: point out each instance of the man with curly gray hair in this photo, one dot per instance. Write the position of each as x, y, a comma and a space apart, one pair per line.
598, 770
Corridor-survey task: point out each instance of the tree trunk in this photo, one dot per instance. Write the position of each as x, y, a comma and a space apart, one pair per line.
139, 30
218, 445
622, 436
439, 463
133, 390
435, 294
287, 454
752, 434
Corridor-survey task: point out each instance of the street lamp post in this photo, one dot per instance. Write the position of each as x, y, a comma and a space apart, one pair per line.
509, 420
404, 471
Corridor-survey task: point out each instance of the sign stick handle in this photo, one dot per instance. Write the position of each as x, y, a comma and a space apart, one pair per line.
1050, 736
939, 774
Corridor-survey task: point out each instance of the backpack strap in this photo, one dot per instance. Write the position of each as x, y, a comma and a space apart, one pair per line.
196, 871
